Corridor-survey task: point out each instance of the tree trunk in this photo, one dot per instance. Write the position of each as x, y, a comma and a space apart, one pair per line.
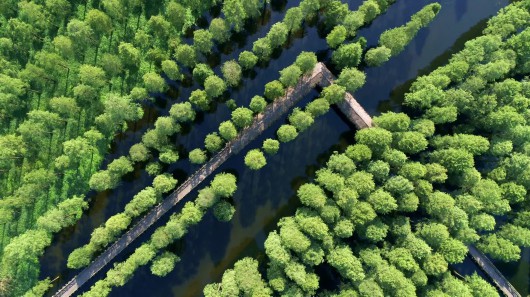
96, 56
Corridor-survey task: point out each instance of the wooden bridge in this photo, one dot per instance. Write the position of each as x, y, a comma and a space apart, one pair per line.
496, 276
320, 76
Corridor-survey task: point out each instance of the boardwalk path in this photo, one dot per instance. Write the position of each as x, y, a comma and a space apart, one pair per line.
319, 76
489, 268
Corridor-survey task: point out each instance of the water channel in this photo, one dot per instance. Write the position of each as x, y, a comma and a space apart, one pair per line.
265, 196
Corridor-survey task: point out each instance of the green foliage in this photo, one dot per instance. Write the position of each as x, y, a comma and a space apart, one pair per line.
214, 86
271, 146
274, 90
255, 159
242, 117
347, 55
197, 156
213, 143
337, 36
290, 75
351, 79
377, 56
231, 72
306, 61
164, 264
286, 133
247, 60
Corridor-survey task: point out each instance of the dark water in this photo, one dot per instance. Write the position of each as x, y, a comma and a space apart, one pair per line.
269, 194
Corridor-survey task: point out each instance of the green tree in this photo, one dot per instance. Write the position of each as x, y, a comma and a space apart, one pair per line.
337, 36
247, 60
301, 120
224, 185
202, 41
255, 159
171, 69
139, 153
154, 83
271, 146
347, 55
164, 264
377, 56
235, 13
286, 133
223, 211
231, 73
312, 195
351, 79
290, 75
334, 93
318, 107
214, 86
200, 99
293, 19
306, 61
185, 54
197, 156
182, 112
242, 117
213, 142
346, 263
274, 90
227, 130
262, 48
258, 104
220, 30
277, 35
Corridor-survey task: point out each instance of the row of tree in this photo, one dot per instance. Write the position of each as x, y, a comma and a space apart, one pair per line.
215, 196
417, 190
71, 87
393, 41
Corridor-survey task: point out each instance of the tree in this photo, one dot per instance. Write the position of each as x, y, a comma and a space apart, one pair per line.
158, 26
224, 185
499, 248
434, 265
274, 90
271, 146
171, 69
164, 183
277, 35
227, 130
377, 139
382, 202
312, 195
242, 117
80, 257
293, 19
377, 56
411, 142
258, 104
139, 153
235, 13
223, 211
214, 86
197, 156
318, 107
346, 263
286, 133
202, 41
341, 164
306, 61
480, 287
185, 54
154, 83
402, 258
64, 47
347, 55
231, 72
182, 112
220, 30
129, 55
247, 60
290, 75
164, 264
301, 120
248, 278
255, 159
337, 36
334, 94
92, 76
200, 99
213, 142
353, 21
100, 22
262, 48
291, 236
351, 79
454, 251
455, 160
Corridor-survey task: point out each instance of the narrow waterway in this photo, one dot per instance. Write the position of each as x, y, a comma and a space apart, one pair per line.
269, 194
